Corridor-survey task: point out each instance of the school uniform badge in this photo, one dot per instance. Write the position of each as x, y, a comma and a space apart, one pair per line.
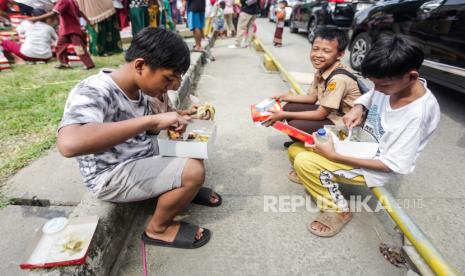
331, 86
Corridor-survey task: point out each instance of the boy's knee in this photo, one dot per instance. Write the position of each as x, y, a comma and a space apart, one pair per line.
304, 162
295, 149
193, 173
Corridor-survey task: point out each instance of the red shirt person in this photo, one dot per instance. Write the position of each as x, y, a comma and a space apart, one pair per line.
4, 7
69, 32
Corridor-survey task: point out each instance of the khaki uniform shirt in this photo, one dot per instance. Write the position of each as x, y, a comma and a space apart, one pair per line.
339, 94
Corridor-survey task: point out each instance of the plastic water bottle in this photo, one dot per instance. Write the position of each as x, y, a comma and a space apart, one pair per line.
322, 136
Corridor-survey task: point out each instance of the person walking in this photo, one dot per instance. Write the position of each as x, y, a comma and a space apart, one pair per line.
228, 17
247, 18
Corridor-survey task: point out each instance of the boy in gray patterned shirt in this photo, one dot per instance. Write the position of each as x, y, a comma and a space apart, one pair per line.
105, 126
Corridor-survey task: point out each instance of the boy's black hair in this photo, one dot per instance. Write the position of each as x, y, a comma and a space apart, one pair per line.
392, 56
222, 5
283, 1
160, 48
330, 33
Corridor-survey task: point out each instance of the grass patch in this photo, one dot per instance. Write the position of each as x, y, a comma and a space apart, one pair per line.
32, 98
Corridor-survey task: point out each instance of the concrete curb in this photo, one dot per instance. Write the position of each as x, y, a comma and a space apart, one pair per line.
116, 220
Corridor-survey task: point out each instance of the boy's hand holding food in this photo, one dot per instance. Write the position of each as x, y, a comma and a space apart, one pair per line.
354, 117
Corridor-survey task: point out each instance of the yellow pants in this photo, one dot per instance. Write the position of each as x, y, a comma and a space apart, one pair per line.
321, 177
208, 26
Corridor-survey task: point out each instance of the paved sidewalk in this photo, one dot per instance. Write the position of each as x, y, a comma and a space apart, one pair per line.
250, 163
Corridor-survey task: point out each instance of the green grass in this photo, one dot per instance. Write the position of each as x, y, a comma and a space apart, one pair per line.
32, 98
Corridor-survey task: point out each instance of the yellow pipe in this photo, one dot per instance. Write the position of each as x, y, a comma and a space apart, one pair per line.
425, 248
281, 68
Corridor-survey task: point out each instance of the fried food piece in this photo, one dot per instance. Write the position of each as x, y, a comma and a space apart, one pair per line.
342, 135
206, 112
173, 134
191, 135
202, 138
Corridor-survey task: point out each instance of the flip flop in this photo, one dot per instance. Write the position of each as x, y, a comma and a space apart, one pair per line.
332, 220
185, 238
204, 196
292, 176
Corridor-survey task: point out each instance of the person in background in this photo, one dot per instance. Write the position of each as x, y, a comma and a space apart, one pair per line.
245, 24
174, 12
218, 19
39, 38
208, 18
139, 14
69, 32
105, 35
5, 8
154, 13
228, 17
195, 20
280, 18
122, 11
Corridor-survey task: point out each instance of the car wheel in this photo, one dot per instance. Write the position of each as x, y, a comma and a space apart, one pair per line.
311, 29
292, 27
359, 49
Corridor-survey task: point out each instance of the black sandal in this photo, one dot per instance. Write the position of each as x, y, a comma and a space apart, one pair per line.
204, 196
185, 238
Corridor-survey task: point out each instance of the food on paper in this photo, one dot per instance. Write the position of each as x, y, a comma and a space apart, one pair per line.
72, 244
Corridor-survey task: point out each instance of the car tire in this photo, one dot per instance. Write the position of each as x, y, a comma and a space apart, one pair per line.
359, 48
312, 25
292, 27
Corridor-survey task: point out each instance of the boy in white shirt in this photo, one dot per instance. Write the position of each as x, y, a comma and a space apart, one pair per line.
402, 115
39, 37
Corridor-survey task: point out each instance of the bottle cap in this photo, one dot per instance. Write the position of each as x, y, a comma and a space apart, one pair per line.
321, 132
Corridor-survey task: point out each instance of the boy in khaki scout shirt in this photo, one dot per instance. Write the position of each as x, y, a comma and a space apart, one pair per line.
323, 105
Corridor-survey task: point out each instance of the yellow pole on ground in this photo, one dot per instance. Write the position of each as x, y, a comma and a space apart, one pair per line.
424, 247
281, 68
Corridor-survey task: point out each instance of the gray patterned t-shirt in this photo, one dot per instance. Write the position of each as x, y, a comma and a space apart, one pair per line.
98, 99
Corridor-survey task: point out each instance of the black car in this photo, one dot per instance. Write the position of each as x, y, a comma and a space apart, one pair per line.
309, 14
437, 25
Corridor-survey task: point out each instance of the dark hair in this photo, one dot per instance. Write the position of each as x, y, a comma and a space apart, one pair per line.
283, 1
160, 48
222, 4
331, 33
392, 56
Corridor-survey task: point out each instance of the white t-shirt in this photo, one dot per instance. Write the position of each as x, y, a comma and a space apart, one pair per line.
402, 133
39, 38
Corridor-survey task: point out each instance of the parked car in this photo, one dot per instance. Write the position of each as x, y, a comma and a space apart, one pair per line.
437, 25
272, 15
308, 15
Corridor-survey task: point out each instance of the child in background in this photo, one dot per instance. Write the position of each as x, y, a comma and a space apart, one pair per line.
39, 37
402, 115
280, 13
218, 19
69, 32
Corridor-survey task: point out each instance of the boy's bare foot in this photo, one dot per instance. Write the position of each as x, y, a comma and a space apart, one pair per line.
170, 233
